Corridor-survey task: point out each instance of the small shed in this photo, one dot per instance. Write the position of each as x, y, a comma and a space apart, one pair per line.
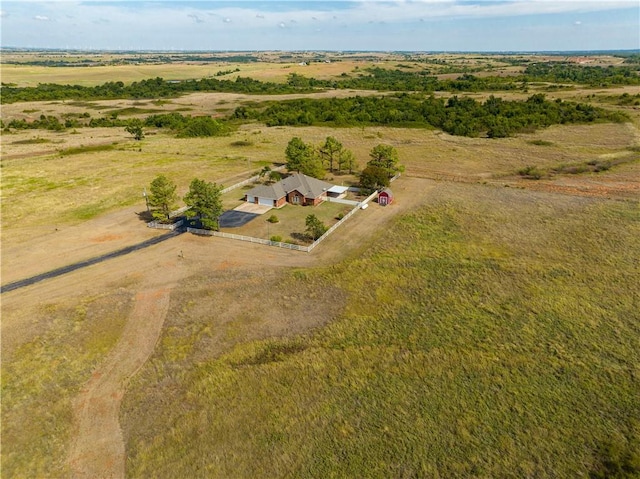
385, 197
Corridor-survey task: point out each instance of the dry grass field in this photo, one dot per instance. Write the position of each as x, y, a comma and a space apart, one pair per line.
483, 325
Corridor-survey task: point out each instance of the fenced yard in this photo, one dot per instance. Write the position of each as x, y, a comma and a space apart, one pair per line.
291, 221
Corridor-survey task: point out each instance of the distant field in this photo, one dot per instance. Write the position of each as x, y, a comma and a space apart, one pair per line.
28, 75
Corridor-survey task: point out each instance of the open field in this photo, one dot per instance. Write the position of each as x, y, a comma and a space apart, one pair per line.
483, 325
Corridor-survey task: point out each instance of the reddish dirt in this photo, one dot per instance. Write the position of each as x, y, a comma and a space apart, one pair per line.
98, 449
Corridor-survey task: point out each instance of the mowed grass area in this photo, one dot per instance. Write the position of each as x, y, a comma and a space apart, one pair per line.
492, 333
290, 224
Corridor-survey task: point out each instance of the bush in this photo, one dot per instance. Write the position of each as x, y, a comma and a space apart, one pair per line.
531, 172
276, 239
273, 219
340, 216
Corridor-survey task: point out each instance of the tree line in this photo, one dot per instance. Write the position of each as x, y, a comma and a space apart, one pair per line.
150, 88
460, 116
374, 78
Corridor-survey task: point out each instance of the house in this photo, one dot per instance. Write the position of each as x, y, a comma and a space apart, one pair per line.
297, 189
385, 197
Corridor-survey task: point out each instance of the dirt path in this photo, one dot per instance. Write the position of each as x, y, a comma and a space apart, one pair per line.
98, 450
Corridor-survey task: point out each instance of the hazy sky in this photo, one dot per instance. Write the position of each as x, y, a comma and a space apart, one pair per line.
417, 25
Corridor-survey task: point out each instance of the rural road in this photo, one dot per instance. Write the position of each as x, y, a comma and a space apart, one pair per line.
83, 264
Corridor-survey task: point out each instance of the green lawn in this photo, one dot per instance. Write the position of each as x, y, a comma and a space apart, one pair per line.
495, 333
291, 218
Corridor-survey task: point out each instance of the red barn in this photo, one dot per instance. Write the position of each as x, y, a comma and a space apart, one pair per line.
385, 197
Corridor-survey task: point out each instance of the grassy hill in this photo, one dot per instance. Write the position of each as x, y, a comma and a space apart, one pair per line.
493, 333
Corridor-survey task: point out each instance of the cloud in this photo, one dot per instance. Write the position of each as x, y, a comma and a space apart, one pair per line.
41, 18
3, 14
227, 20
577, 22
282, 25
259, 15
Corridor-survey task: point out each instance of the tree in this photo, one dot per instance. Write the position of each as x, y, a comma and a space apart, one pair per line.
204, 201
301, 157
297, 153
330, 152
135, 128
264, 172
346, 161
162, 197
315, 227
385, 156
374, 178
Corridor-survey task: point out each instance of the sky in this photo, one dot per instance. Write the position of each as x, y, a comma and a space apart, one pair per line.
367, 25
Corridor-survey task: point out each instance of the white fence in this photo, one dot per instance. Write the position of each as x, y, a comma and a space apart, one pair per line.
250, 239
162, 226
339, 223
280, 244
249, 180
343, 201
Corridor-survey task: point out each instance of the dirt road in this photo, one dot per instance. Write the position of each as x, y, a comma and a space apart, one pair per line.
98, 448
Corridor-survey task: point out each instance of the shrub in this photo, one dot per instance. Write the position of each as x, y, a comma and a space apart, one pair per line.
340, 216
242, 143
531, 172
276, 239
273, 219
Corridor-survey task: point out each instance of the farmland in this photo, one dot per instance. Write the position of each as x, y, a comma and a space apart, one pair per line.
483, 325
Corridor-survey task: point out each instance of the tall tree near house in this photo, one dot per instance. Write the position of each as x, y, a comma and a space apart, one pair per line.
374, 178
302, 157
346, 161
330, 152
204, 201
297, 153
162, 197
385, 156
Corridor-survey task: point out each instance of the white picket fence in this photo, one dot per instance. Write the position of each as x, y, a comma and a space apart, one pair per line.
162, 226
280, 244
344, 218
342, 201
249, 180
249, 239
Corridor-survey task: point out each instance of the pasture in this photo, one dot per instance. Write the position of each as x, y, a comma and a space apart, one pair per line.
484, 325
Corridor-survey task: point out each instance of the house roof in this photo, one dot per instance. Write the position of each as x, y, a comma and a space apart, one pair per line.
338, 189
307, 186
273, 192
388, 192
